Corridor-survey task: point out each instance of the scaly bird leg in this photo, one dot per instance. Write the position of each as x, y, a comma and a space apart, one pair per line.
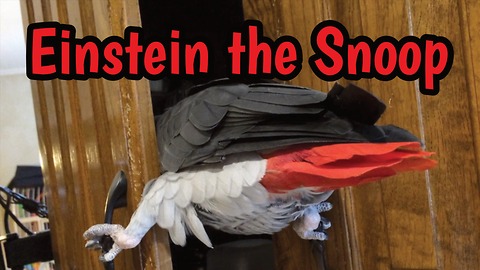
95, 235
142, 220
123, 238
311, 220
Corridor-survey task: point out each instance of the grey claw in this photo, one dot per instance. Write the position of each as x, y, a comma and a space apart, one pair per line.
313, 235
93, 244
102, 258
322, 236
325, 223
111, 254
94, 235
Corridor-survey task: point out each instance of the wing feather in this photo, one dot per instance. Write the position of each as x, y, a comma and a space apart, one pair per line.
224, 183
197, 124
166, 214
184, 194
177, 232
196, 226
172, 185
210, 187
199, 189
236, 184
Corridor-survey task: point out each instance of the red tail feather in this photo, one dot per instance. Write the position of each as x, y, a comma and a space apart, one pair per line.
339, 165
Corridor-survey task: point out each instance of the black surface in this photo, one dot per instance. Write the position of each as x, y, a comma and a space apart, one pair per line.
210, 21
27, 176
35, 248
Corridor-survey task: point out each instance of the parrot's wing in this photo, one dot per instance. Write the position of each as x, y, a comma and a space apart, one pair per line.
235, 118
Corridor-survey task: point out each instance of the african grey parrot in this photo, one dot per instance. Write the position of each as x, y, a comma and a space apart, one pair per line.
252, 158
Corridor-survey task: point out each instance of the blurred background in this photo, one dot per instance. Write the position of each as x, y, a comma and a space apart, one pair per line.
18, 132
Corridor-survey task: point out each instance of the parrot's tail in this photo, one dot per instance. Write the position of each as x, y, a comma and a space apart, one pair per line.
334, 166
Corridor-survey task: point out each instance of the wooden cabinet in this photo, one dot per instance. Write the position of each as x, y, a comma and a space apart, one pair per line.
88, 130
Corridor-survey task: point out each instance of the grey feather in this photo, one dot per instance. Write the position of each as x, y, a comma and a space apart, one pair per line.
283, 99
226, 118
193, 135
266, 107
195, 125
206, 116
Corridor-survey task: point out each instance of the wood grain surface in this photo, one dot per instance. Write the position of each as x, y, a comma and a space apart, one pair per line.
88, 130
417, 220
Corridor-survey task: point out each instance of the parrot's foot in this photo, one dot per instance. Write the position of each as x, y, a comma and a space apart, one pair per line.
311, 225
96, 238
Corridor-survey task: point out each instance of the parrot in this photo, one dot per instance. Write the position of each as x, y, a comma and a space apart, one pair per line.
253, 158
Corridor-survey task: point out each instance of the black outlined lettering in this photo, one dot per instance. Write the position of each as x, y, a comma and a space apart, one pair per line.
428, 58
250, 54
54, 52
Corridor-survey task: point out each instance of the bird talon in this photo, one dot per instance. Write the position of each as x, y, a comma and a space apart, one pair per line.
97, 238
93, 244
322, 236
325, 223
111, 254
314, 235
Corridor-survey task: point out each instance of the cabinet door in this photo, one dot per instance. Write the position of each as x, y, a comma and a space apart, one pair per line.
88, 130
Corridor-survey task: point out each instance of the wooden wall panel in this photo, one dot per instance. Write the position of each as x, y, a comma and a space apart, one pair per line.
88, 130
449, 130
417, 220
412, 250
470, 26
